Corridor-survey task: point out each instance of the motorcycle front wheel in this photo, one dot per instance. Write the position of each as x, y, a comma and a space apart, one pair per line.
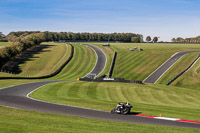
113, 111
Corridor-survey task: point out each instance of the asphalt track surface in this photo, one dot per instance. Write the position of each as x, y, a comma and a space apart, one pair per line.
101, 60
157, 74
17, 97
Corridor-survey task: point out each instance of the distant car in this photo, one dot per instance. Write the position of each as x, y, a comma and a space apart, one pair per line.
106, 44
122, 108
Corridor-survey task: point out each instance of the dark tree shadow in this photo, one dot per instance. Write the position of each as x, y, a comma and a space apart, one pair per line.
29, 55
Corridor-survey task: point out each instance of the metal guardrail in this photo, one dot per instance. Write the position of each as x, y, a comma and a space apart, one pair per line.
111, 80
112, 65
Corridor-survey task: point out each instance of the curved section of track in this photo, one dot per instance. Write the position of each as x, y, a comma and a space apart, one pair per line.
17, 97
101, 60
156, 75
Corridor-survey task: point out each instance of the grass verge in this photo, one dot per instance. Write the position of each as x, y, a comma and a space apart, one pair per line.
178, 67
20, 121
4, 44
148, 99
190, 79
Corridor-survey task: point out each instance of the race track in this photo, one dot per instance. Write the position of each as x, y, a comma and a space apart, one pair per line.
156, 75
17, 97
101, 60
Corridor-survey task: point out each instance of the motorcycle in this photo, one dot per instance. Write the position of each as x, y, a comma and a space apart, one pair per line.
122, 108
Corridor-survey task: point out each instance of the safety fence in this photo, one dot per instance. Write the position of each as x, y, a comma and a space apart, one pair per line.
183, 71
111, 80
112, 65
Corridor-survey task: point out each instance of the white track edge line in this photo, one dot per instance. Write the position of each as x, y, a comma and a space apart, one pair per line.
97, 61
168, 68
28, 96
104, 64
160, 66
193, 64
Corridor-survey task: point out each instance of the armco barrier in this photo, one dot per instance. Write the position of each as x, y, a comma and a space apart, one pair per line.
111, 80
183, 71
46, 76
112, 65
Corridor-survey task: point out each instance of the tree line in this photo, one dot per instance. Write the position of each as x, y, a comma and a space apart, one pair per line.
20, 41
19, 45
2, 37
186, 40
70, 36
155, 39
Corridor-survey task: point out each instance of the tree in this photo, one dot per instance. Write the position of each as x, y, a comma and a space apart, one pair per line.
173, 40
135, 39
179, 39
155, 39
148, 38
2, 35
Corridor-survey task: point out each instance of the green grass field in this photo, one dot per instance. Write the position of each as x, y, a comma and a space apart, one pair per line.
181, 65
170, 101
44, 62
82, 63
190, 79
148, 99
138, 65
4, 44
20, 121
109, 52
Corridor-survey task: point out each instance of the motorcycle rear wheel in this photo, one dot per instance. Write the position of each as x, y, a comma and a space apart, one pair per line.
125, 111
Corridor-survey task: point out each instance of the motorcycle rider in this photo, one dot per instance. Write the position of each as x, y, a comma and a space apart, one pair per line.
120, 106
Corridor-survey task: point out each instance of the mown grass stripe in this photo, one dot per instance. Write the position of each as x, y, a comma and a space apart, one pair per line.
182, 64
80, 65
149, 99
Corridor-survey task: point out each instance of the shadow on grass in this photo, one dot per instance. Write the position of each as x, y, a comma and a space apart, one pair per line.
29, 55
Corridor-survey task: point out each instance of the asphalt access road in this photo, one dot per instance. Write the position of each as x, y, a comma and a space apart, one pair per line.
155, 76
101, 60
16, 97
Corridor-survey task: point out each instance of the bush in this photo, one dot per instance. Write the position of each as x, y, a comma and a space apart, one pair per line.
19, 45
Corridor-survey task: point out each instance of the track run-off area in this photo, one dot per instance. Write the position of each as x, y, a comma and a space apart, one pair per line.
18, 97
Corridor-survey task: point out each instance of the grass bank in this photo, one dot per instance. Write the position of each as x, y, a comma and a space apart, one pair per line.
44, 62
4, 44
135, 65
83, 61
148, 99
190, 79
178, 67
